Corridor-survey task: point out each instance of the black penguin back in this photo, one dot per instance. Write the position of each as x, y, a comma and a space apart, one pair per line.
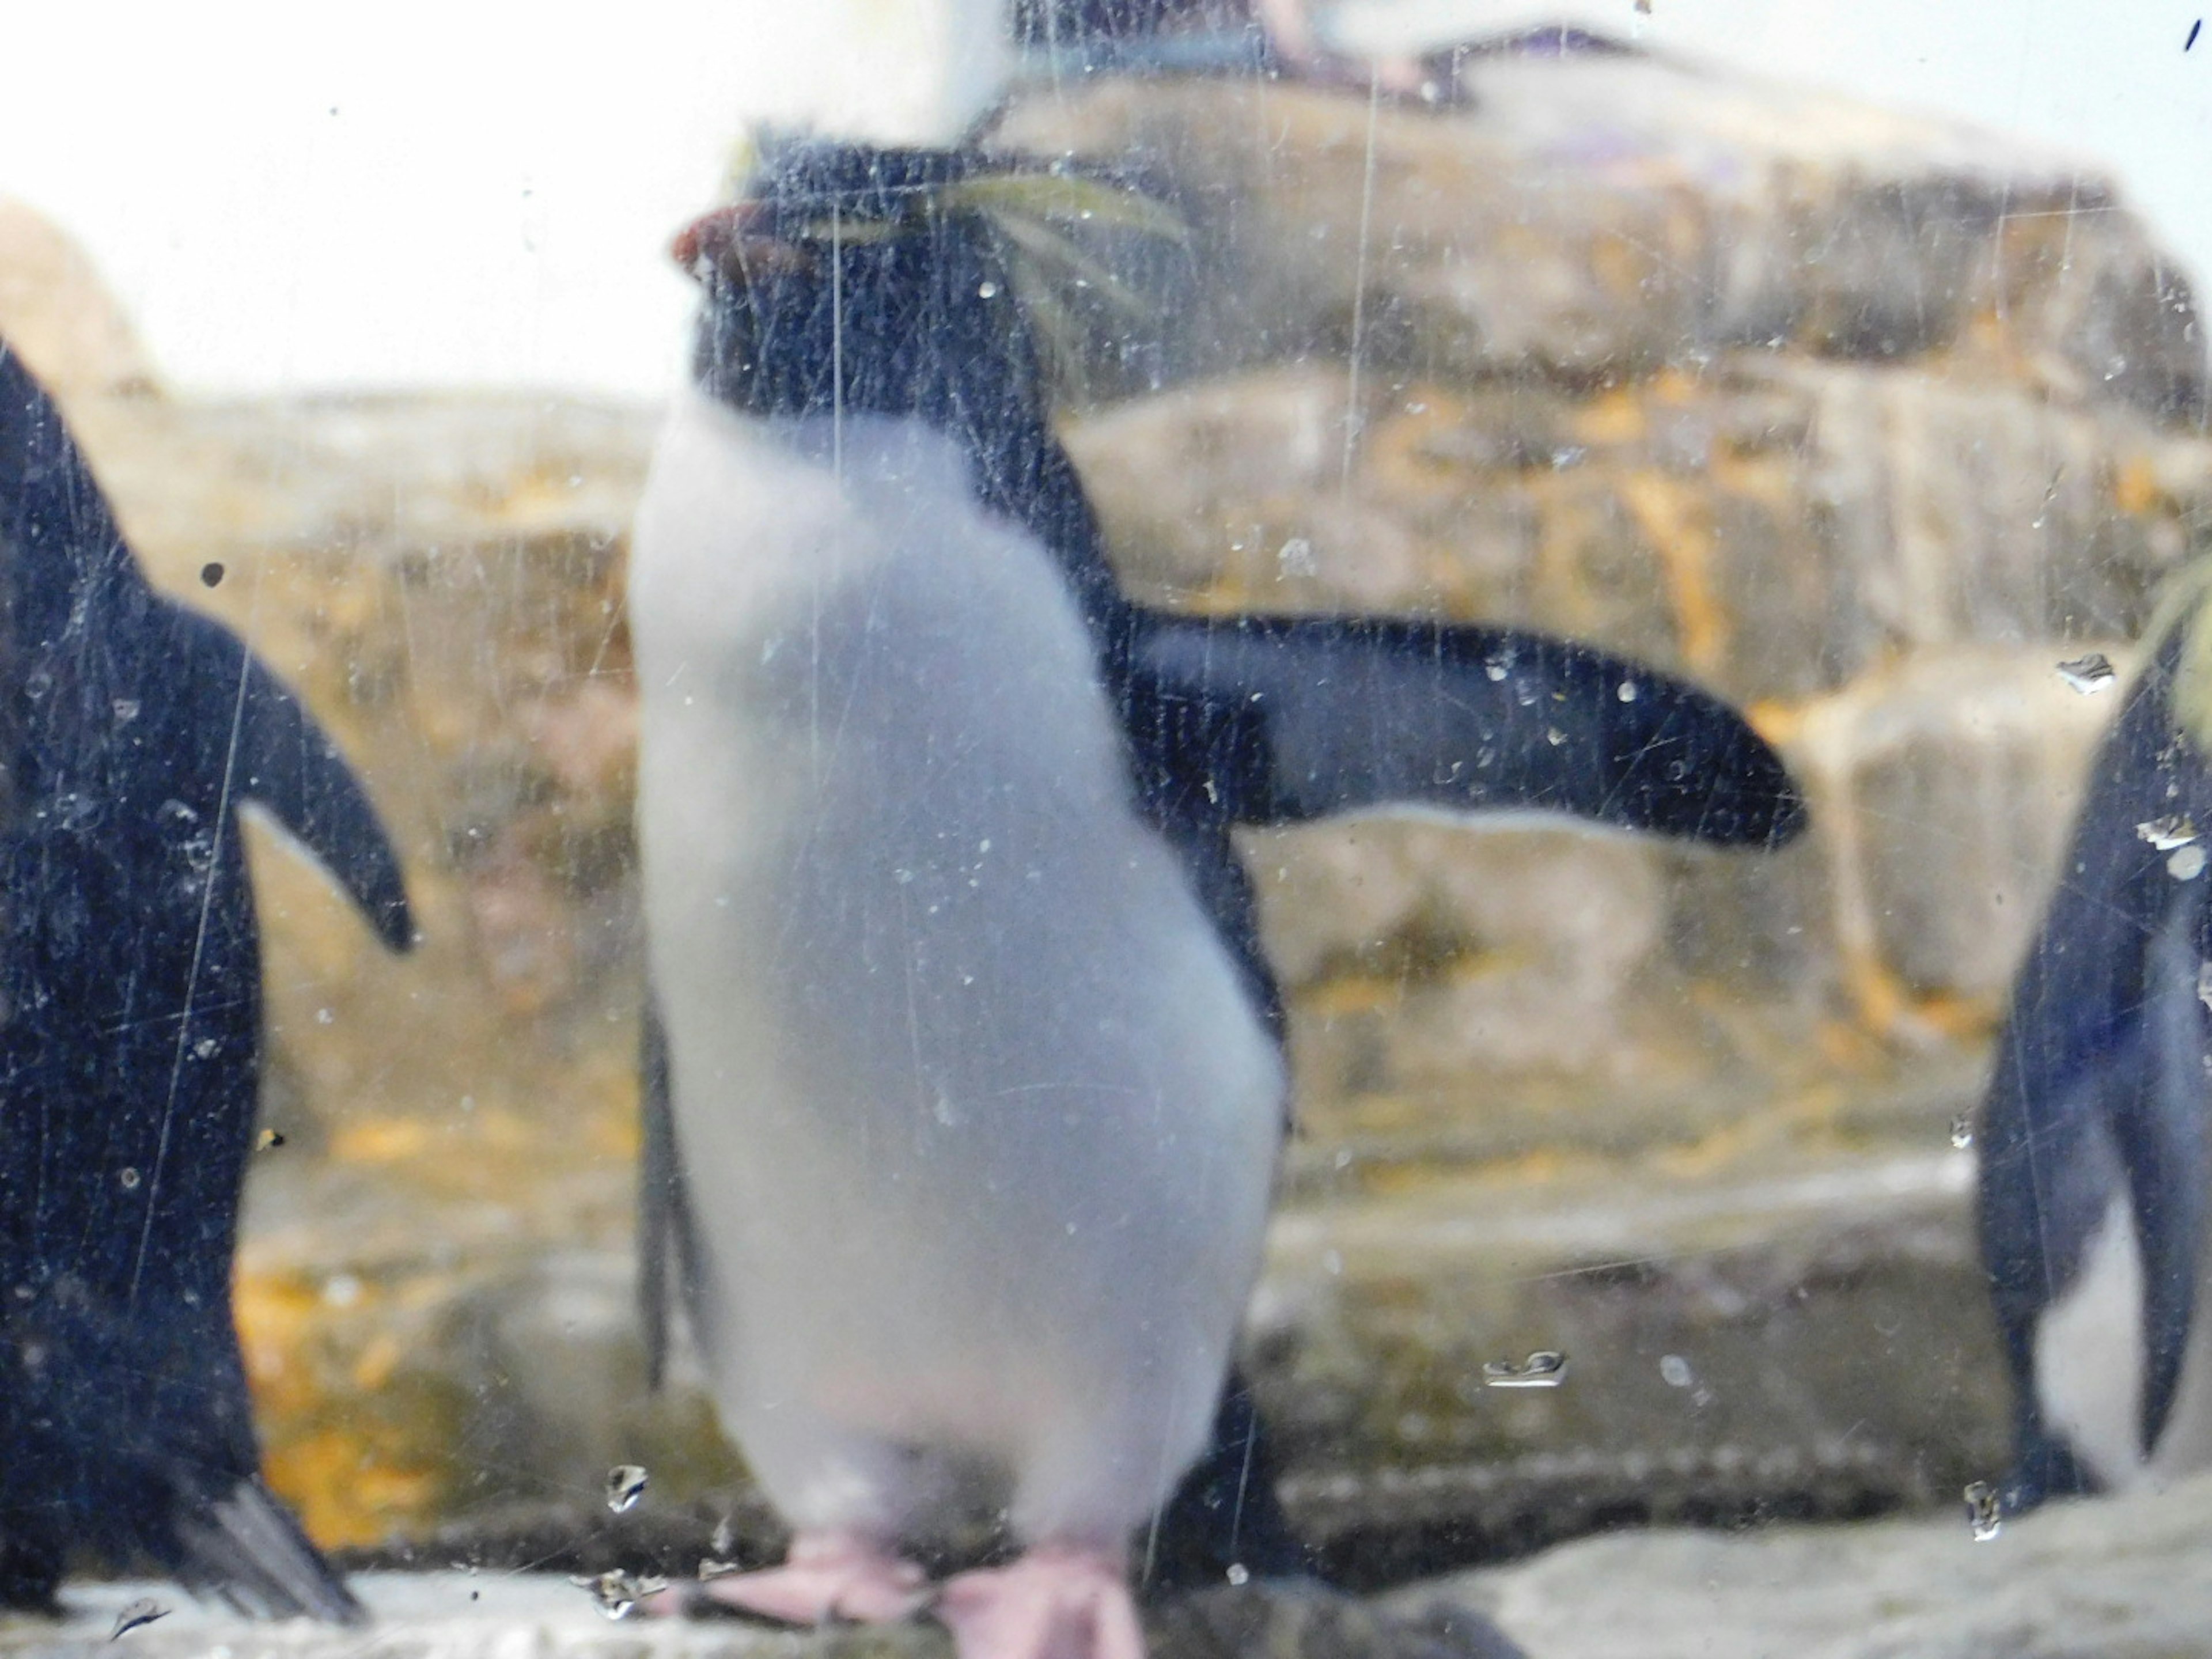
131, 731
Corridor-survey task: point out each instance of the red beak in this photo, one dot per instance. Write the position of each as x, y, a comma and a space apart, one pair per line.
732, 240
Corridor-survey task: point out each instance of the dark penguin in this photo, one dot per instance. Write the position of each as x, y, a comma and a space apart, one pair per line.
1219, 37
2096, 1167
1222, 36
975, 1075
131, 732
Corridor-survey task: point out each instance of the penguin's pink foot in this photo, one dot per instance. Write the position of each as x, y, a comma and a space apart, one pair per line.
826, 1577
1058, 1601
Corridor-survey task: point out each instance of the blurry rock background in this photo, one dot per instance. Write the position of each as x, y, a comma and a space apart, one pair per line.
1863, 420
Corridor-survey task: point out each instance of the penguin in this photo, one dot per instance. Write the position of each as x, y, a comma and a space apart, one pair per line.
984, 48
2093, 1139
131, 732
1251, 37
975, 1082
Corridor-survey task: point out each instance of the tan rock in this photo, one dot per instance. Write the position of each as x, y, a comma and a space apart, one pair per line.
2119, 1578
55, 311
1593, 216
1771, 526
1945, 791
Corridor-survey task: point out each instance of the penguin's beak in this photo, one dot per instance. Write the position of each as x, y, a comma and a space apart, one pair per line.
735, 242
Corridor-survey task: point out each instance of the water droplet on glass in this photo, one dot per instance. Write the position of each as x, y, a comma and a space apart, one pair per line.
211, 573
129, 1178
269, 1142
37, 683
2167, 833
1962, 1132
2186, 865
322, 1016
987, 291
134, 1615
1239, 1573
1626, 692
1545, 1369
1675, 1370
1554, 736
1983, 1513
341, 1290
615, 1593
126, 710
1297, 558
1495, 670
725, 1536
2088, 675
204, 1048
625, 1486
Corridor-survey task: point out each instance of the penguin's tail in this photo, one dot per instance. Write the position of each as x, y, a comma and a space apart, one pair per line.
242, 1547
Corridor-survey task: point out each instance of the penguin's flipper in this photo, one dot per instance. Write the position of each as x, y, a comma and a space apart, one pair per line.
2161, 1136
286, 762
664, 1233
243, 1547
1280, 719
1227, 1513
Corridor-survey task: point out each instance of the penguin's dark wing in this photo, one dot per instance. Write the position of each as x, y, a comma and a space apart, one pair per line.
1279, 719
1227, 1513
663, 1221
285, 761
2161, 1133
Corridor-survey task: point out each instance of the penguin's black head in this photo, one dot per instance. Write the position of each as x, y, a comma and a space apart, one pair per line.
860, 279
900, 282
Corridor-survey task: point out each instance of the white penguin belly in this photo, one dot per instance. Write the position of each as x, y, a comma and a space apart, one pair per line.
2088, 1352
978, 1123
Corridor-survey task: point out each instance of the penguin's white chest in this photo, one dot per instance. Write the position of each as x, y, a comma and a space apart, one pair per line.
977, 1120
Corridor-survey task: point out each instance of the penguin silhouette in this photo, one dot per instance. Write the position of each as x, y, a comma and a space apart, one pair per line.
131, 732
975, 1081
2093, 1140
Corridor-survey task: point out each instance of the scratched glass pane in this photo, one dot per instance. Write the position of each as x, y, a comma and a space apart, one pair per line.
1093, 827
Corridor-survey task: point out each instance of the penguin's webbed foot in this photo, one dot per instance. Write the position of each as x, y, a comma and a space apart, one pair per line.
828, 1577
1057, 1601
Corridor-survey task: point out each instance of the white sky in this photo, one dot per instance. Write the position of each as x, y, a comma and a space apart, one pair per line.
309, 195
